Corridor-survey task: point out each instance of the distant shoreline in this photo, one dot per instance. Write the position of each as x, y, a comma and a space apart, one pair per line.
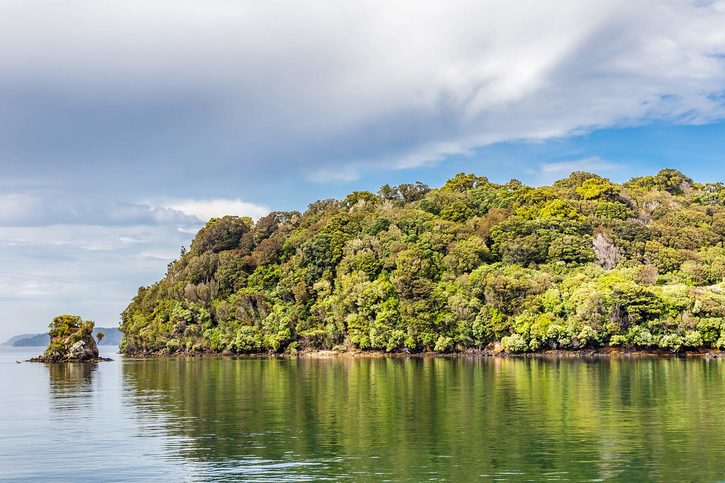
112, 338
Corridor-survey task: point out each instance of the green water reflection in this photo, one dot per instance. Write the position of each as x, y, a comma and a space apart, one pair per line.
457, 419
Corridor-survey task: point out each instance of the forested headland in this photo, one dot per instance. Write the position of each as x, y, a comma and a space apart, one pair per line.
584, 263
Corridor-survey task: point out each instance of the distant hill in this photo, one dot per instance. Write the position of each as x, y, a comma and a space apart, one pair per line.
12, 340
112, 338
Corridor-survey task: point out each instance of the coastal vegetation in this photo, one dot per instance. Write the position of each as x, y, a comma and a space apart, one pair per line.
473, 265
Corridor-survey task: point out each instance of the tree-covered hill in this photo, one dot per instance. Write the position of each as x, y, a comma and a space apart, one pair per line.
582, 263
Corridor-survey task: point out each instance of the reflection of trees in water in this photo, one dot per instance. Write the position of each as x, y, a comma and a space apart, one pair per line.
460, 418
70, 377
71, 387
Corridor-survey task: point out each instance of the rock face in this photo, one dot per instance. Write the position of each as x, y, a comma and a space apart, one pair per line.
71, 340
82, 351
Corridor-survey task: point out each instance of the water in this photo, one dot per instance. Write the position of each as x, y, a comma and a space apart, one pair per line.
459, 419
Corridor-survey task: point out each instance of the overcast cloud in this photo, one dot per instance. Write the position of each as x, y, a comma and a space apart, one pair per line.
135, 119
318, 87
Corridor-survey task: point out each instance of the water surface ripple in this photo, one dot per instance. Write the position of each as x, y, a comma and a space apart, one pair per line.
457, 419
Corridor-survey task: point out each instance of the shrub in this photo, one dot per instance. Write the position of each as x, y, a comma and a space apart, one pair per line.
710, 329
443, 344
514, 343
640, 336
672, 342
692, 339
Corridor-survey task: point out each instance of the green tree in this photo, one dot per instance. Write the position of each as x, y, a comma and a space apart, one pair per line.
598, 188
474, 264
220, 234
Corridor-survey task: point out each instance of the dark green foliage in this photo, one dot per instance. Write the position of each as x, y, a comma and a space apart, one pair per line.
220, 234
582, 263
404, 193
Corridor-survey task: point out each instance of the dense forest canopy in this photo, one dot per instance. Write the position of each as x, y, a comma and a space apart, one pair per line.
472, 265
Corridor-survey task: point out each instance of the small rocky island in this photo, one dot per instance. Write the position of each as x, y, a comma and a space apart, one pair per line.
71, 340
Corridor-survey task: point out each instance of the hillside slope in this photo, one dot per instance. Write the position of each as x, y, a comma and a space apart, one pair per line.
582, 263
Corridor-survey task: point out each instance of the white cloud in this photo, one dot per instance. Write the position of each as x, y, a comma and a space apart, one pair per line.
433, 152
15, 207
334, 88
333, 174
216, 208
587, 164
547, 173
24, 287
26, 209
90, 270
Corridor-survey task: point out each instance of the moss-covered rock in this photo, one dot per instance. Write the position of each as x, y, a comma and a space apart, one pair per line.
71, 340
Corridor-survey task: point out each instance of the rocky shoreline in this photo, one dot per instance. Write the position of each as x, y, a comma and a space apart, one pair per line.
603, 352
50, 360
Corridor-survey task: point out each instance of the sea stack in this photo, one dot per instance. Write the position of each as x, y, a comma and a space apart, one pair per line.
71, 340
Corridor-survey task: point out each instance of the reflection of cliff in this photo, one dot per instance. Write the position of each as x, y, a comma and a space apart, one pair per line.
458, 418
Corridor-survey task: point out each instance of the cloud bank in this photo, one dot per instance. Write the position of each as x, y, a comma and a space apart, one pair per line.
24, 209
329, 89
206, 209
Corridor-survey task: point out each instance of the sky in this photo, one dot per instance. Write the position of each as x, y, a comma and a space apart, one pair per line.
126, 124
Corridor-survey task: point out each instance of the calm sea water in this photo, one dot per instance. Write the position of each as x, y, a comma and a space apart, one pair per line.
459, 419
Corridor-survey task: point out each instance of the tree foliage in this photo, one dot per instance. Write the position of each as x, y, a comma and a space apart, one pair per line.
582, 263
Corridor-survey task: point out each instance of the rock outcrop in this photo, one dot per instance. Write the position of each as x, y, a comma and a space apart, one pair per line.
71, 340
